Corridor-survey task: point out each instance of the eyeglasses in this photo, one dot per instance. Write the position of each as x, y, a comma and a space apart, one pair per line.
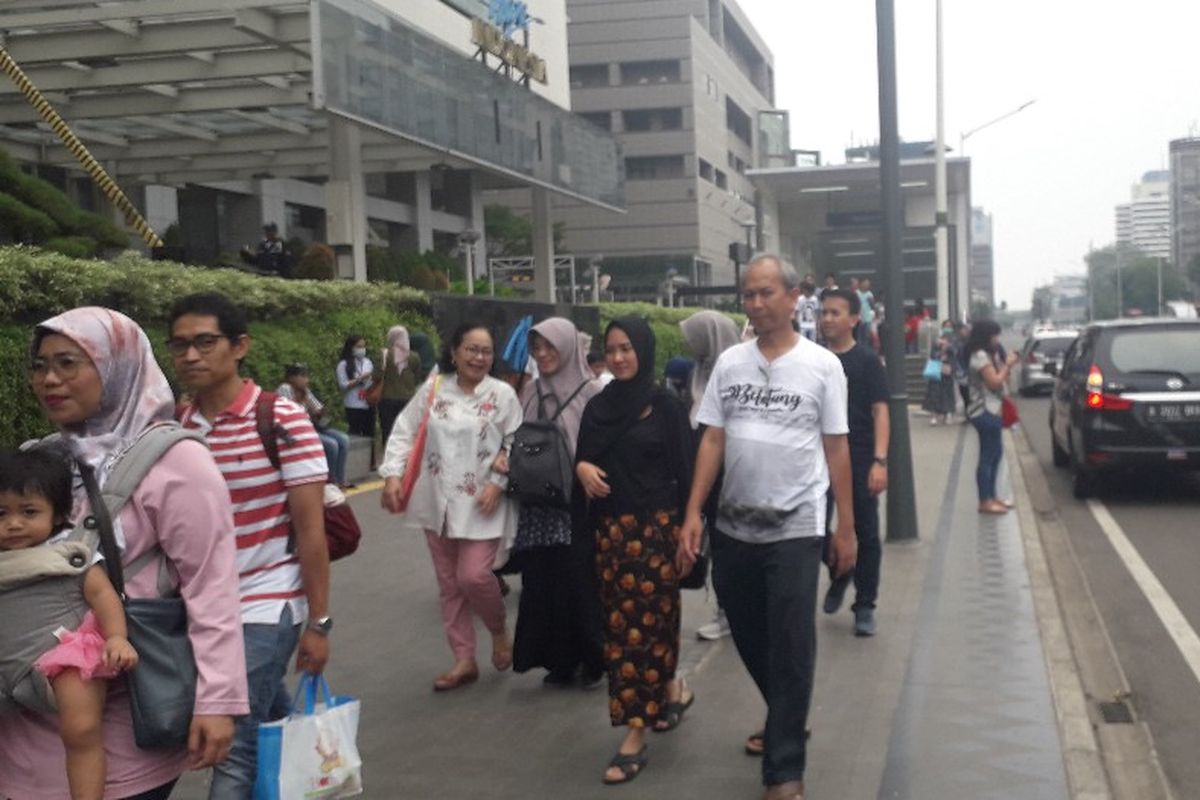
479, 352
204, 343
64, 365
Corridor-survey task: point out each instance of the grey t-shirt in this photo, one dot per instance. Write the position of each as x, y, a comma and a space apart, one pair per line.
980, 397
774, 415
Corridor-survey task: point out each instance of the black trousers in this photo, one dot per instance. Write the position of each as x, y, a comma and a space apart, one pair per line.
388, 411
361, 421
866, 530
769, 594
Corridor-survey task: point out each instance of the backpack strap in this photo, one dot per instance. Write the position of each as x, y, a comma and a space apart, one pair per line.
562, 407
268, 431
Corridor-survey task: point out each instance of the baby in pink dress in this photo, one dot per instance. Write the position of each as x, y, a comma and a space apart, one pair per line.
35, 503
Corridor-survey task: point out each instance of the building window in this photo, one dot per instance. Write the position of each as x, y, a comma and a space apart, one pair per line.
644, 73
601, 119
722, 181
706, 170
653, 119
649, 168
589, 76
738, 122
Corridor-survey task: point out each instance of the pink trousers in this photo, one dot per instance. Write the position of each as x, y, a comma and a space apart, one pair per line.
466, 584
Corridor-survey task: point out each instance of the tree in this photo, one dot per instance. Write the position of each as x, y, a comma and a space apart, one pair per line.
510, 235
1139, 281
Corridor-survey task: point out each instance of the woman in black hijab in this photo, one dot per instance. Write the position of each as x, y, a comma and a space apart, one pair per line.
634, 461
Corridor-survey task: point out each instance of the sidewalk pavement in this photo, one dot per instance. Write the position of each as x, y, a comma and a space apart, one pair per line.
949, 702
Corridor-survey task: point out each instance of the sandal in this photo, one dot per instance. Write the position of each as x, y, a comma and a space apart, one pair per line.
449, 681
674, 713
630, 764
756, 743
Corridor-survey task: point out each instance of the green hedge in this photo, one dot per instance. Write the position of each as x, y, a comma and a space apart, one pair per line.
665, 322
291, 321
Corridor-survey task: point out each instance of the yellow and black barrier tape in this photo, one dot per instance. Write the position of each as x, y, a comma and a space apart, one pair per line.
133, 217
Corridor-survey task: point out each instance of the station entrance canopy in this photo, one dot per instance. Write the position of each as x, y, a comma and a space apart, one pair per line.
196, 91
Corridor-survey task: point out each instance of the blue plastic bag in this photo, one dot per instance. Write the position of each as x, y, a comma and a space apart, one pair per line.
313, 752
516, 350
933, 370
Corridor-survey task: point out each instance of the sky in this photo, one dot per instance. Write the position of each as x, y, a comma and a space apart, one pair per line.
1113, 81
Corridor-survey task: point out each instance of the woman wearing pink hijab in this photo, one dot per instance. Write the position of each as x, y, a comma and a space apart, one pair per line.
401, 377
95, 378
559, 622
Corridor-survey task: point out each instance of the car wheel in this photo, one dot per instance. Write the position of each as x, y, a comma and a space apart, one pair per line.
1060, 457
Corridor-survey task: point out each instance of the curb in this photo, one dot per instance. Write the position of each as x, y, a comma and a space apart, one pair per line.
1102, 761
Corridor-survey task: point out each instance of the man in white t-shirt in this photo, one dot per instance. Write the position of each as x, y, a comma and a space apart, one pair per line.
776, 411
808, 310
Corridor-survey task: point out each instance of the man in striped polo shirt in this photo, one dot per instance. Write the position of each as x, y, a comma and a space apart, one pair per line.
278, 515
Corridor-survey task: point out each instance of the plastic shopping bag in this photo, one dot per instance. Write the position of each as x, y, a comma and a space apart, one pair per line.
312, 753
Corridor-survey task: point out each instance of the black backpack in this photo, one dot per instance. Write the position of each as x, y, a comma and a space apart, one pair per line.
540, 468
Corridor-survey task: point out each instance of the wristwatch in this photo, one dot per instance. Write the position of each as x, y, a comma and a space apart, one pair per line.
320, 625
881, 461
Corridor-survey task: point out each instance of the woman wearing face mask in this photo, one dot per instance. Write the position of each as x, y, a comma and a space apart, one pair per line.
939, 395
634, 461
354, 376
559, 622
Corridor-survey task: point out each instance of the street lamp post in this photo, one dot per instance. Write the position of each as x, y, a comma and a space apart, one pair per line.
467, 240
594, 268
901, 495
1120, 287
962, 137
945, 307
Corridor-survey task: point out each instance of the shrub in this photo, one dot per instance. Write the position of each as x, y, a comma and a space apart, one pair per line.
65, 217
319, 263
24, 223
73, 246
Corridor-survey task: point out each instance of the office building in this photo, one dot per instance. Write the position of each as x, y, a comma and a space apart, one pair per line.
344, 121
1185, 202
687, 87
982, 280
1145, 221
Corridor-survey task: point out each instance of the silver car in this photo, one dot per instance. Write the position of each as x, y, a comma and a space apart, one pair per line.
1042, 347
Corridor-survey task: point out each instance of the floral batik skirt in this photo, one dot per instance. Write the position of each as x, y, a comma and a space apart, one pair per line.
635, 560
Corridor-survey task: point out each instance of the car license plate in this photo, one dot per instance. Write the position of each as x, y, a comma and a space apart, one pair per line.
1177, 455
1173, 412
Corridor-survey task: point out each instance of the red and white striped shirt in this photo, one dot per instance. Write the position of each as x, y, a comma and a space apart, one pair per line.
269, 574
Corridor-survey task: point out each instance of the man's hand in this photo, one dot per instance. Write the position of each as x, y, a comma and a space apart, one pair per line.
209, 739
313, 653
843, 550
489, 499
688, 548
877, 479
592, 478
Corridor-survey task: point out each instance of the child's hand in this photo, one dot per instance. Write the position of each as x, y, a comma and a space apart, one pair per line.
119, 654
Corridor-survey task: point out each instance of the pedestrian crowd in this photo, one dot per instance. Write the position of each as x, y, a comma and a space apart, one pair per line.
751, 465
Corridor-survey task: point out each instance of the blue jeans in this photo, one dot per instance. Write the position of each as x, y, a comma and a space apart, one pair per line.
991, 450
268, 651
337, 445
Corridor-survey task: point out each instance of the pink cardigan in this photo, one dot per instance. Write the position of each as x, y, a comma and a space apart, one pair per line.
183, 506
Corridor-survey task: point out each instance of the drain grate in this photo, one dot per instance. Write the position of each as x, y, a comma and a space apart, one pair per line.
1116, 712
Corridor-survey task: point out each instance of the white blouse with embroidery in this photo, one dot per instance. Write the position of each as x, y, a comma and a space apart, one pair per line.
466, 433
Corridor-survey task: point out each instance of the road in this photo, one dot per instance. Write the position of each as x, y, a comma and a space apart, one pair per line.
1158, 515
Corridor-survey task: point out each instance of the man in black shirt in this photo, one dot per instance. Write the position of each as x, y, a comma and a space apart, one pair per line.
869, 435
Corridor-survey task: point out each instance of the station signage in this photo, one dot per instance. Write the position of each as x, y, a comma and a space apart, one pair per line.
494, 37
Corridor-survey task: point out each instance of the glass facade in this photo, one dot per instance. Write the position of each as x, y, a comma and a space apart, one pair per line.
375, 68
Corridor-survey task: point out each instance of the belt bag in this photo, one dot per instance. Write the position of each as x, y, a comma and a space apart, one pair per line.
162, 687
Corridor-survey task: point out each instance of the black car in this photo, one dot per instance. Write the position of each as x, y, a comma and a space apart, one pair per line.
1128, 396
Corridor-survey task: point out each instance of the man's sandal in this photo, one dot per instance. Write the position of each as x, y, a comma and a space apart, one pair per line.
630, 764
756, 743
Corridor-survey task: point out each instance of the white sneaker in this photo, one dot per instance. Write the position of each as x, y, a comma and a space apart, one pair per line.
717, 629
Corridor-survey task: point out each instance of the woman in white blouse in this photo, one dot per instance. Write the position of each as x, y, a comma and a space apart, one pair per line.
459, 500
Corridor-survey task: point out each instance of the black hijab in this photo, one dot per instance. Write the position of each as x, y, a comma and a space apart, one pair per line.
619, 406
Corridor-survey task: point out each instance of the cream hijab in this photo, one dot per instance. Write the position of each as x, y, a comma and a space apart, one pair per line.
708, 334
397, 342
573, 372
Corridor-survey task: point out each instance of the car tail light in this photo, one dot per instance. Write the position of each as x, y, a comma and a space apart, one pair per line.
1097, 400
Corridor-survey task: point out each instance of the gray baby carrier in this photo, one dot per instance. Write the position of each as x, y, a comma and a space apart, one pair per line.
41, 588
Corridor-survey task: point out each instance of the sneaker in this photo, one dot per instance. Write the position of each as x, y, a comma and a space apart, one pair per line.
864, 622
835, 595
717, 629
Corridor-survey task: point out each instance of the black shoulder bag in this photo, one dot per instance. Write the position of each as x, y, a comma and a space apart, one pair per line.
540, 468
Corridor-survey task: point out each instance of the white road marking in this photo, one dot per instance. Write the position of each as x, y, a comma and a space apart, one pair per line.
1173, 620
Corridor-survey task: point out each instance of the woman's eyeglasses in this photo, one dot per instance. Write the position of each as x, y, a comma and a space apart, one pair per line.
64, 365
479, 352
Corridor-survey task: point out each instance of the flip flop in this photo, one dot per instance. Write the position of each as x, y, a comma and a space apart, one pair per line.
756, 743
675, 712
630, 764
